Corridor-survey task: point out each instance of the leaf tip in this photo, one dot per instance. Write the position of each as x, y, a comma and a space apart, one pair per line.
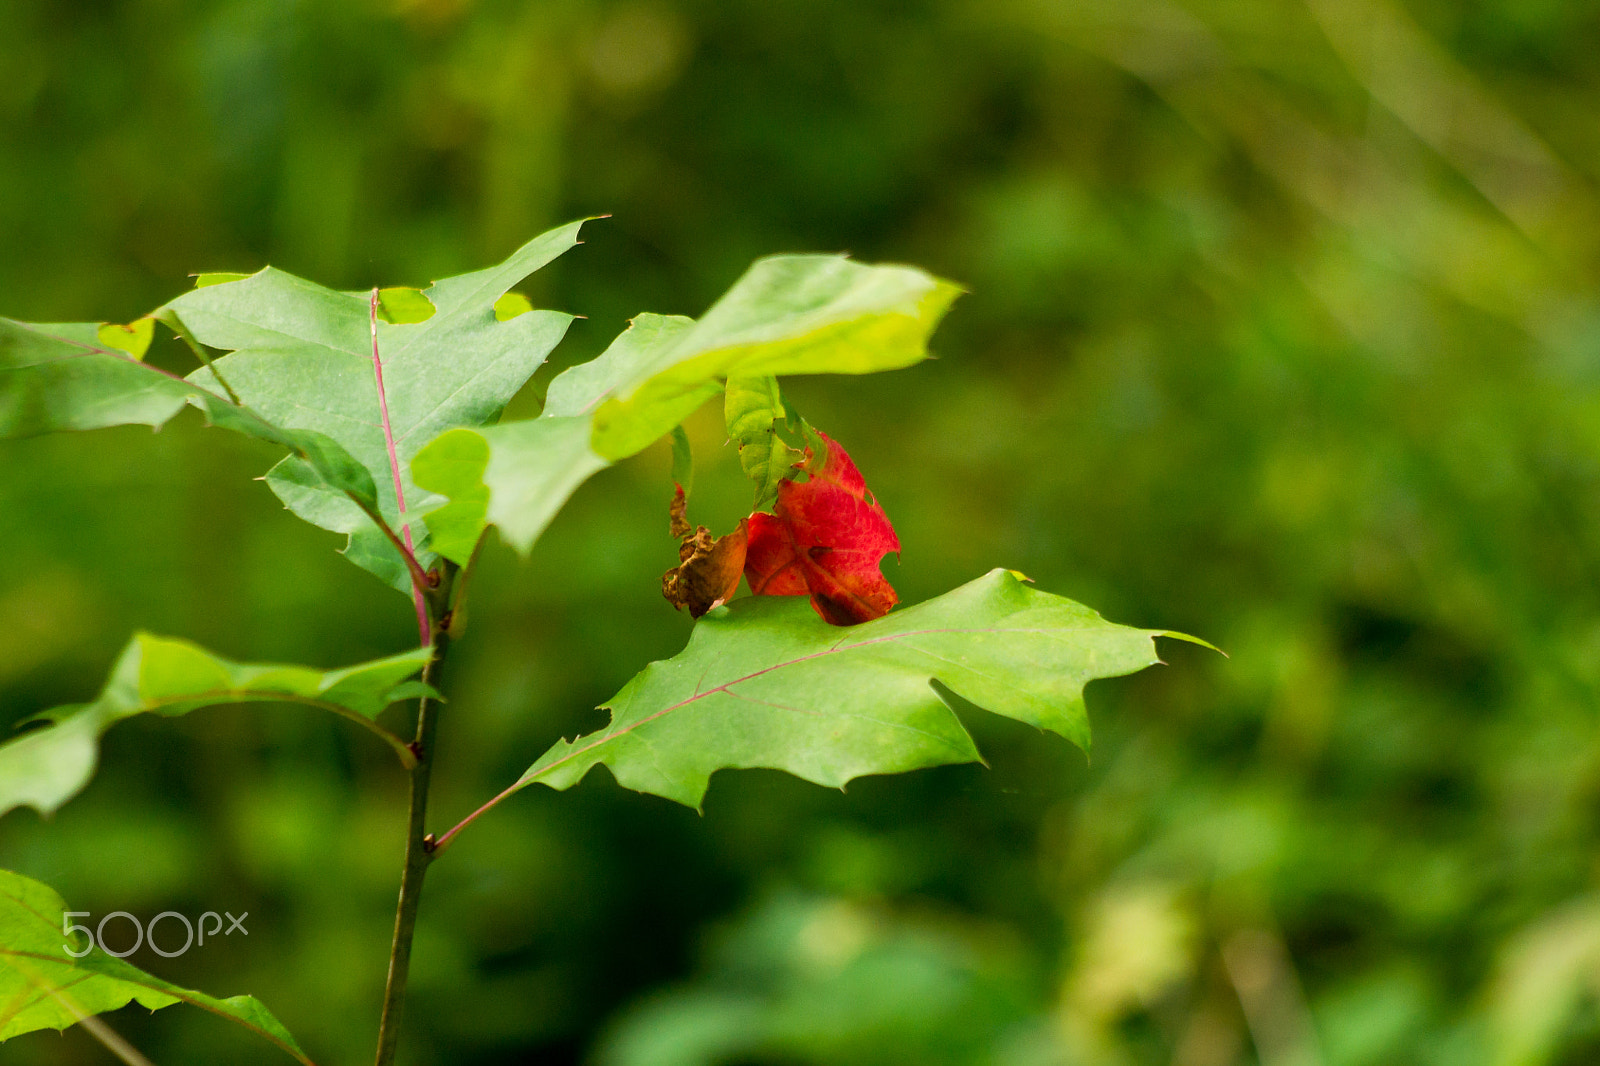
1189, 639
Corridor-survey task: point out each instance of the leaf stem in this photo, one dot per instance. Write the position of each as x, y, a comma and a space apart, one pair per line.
420, 848
109, 1037
421, 584
444, 841
408, 758
200, 353
418, 592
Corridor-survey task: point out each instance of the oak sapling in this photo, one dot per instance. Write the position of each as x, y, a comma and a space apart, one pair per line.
387, 405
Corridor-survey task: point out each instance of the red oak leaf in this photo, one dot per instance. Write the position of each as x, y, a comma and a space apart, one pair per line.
825, 537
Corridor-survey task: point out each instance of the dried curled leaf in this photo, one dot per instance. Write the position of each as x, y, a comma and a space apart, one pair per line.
824, 538
708, 570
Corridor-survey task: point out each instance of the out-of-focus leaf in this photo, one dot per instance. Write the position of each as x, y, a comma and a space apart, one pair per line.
765, 682
813, 980
789, 314
752, 408
1135, 942
303, 356
45, 768
42, 986
1545, 974
64, 376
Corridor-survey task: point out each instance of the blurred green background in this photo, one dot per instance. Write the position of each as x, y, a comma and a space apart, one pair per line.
1282, 330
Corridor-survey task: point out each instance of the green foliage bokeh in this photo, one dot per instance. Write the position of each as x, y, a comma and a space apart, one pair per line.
1282, 331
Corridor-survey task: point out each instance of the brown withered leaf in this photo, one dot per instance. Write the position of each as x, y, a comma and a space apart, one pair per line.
679, 512
709, 569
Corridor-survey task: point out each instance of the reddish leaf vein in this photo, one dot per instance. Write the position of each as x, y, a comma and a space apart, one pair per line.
394, 468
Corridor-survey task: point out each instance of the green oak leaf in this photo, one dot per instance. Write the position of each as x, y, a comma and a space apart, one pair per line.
752, 409
303, 356
160, 675
788, 314
84, 375
764, 682
796, 314
44, 987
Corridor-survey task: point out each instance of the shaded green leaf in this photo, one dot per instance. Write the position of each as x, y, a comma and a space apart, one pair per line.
45, 768
43, 987
752, 409
764, 682
63, 376
303, 356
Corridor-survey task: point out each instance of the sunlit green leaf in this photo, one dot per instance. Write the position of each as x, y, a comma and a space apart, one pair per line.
45, 768
511, 305
400, 305
134, 338
791, 314
42, 986
217, 277
764, 682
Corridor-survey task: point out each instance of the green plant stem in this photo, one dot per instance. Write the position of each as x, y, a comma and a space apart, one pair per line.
200, 353
108, 1037
419, 853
